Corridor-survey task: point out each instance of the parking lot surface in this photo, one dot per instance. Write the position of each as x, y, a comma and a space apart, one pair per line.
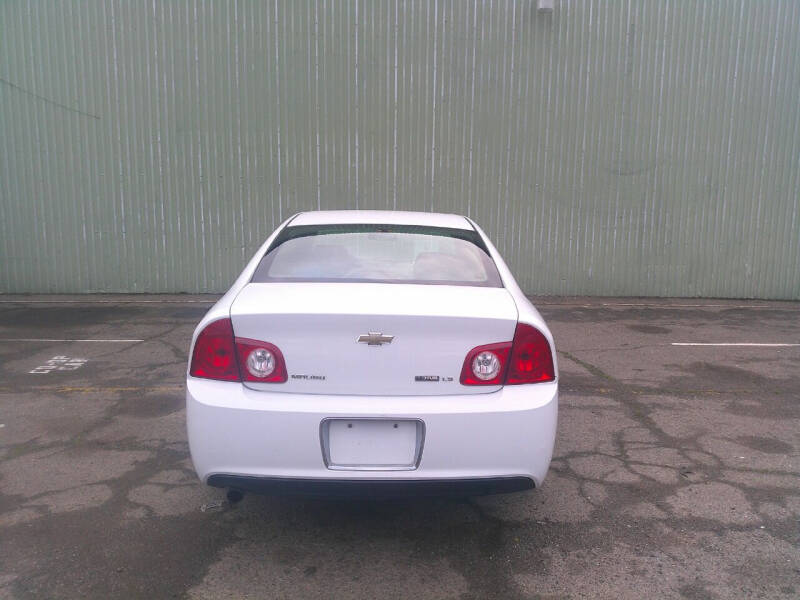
676, 470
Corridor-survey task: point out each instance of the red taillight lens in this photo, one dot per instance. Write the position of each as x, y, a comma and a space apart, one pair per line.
525, 360
482, 362
216, 352
260, 361
531, 360
214, 356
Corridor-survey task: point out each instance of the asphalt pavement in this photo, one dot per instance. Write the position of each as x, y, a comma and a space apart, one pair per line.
676, 471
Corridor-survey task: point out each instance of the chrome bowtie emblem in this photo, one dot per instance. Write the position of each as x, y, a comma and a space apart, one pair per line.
375, 339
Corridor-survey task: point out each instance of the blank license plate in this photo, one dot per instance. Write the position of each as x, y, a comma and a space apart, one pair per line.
372, 443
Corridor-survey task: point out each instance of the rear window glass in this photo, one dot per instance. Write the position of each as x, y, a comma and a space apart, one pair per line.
378, 254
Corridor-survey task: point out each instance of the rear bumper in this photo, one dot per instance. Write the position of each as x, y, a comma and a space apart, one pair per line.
269, 441
372, 488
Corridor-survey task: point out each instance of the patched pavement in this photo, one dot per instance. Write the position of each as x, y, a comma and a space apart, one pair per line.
676, 470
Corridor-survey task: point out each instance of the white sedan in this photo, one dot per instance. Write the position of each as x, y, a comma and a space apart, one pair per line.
375, 353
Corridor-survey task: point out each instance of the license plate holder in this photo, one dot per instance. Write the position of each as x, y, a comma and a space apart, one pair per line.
377, 444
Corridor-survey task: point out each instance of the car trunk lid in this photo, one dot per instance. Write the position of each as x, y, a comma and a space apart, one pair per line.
373, 339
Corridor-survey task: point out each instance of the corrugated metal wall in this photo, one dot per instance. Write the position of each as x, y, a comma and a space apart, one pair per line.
626, 148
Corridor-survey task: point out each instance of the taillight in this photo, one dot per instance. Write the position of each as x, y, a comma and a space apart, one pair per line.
486, 365
260, 361
531, 360
218, 355
525, 360
214, 356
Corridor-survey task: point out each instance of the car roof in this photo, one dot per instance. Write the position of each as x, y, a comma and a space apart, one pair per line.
382, 217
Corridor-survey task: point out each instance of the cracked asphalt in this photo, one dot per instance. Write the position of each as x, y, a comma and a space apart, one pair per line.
676, 471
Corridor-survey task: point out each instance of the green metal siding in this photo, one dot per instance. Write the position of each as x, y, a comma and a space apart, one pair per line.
610, 148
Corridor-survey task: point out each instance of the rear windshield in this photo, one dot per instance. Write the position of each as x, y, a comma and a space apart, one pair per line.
378, 254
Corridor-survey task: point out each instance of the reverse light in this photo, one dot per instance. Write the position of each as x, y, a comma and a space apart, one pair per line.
486, 365
260, 361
